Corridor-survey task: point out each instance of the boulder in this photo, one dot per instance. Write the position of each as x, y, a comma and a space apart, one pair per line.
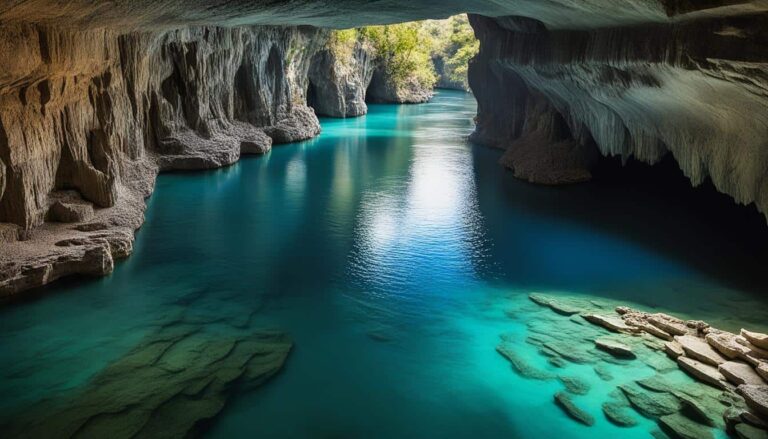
702, 372
739, 373
753, 350
756, 338
700, 350
756, 397
564, 402
614, 348
680, 427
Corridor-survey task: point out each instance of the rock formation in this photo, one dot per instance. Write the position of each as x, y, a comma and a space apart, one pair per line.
695, 87
97, 96
100, 112
339, 81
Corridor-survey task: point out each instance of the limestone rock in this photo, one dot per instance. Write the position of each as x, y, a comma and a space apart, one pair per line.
571, 409
339, 81
574, 385
698, 349
702, 372
650, 404
756, 338
680, 427
609, 322
739, 373
756, 397
384, 89
617, 414
520, 364
673, 349
727, 344
615, 348
762, 370
71, 212
746, 431
558, 306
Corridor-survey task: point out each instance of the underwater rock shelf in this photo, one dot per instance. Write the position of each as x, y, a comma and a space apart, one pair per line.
729, 386
176, 379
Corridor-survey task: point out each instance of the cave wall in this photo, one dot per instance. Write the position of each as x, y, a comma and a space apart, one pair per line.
339, 81
696, 89
97, 114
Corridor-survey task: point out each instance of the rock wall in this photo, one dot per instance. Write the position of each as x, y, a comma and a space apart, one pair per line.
383, 89
339, 81
696, 89
99, 113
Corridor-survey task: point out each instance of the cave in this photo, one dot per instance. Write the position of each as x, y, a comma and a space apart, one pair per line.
238, 218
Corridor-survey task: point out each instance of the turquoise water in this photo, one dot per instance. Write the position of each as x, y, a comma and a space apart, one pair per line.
390, 249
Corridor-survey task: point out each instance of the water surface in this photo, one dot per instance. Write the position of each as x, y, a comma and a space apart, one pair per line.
389, 249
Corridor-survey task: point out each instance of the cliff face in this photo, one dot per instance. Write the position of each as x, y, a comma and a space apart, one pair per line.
339, 81
696, 89
87, 118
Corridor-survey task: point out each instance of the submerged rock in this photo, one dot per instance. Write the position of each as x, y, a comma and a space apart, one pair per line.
521, 365
679, 426
564, 402
173, 380
574, 385
651, 405
617, 414
746, 431
558, 306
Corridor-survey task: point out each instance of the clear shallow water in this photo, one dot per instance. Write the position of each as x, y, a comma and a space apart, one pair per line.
390, 250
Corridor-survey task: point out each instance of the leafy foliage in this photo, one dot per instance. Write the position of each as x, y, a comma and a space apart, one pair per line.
407, 50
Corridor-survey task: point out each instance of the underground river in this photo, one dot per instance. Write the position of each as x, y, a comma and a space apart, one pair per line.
395, 255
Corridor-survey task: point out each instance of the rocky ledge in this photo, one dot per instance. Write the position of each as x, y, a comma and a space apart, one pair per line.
727, 388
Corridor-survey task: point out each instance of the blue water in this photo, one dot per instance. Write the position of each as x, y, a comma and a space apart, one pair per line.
389, 249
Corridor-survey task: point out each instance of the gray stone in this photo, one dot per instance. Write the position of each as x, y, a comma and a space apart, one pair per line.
650, 404
673, 349
700, 350
615, 348
71, 212
756, 338
738, 373
703, 372
756, 397
612, 323
668, 324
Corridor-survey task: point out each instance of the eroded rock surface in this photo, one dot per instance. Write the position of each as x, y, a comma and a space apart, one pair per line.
175, 379
99, 112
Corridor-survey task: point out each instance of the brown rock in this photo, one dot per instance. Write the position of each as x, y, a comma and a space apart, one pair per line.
762, 370
726, 343
71, 212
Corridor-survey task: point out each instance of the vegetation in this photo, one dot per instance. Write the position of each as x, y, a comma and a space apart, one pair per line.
409, 51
